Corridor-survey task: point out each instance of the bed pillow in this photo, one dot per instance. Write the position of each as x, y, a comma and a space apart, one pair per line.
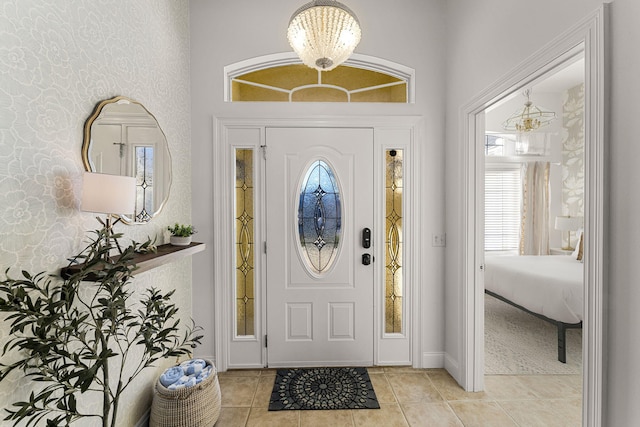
577, 252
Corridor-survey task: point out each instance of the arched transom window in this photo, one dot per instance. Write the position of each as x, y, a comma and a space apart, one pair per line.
281, 78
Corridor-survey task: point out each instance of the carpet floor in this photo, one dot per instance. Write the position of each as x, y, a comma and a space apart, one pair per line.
519, 343
323, 388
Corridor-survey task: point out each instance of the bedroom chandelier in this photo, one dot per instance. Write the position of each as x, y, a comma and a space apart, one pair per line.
529, 118
323, 33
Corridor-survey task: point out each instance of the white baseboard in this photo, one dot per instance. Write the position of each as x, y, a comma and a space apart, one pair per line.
432, 360
451, 365
144, 420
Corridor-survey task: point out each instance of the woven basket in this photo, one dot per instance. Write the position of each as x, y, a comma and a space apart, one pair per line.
197, 406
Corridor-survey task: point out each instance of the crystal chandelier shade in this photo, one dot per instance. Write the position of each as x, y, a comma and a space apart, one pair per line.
529, 118
324, 34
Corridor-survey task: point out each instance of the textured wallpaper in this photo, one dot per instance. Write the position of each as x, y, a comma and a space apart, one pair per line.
57, 60
573, 153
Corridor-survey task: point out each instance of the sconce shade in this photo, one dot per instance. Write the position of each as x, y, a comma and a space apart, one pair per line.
568, 223
110, 194
324, 33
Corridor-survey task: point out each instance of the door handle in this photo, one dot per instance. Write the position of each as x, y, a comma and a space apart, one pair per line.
366, 259
366, 238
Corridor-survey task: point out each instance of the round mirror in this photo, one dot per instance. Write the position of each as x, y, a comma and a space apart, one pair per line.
122, 138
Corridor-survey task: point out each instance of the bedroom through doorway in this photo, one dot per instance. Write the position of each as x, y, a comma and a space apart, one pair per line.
533, 210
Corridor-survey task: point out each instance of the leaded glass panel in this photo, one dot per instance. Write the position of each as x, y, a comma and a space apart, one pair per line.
144, 183
393, 242
244, 213
319, 217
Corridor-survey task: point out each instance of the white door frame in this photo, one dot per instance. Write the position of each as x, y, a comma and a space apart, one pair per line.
587, 36
387, 129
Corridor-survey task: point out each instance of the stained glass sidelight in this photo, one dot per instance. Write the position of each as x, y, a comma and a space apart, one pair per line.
319, 217
244, 239
393, 242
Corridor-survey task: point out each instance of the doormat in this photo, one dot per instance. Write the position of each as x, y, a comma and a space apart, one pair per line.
323, 388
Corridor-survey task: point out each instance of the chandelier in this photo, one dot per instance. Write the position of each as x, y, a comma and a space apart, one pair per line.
529, 118
323, 33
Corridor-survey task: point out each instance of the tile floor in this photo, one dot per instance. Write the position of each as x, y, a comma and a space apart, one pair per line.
415, 397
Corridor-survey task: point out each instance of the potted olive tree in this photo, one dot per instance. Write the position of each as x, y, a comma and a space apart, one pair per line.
181, 234
79, 338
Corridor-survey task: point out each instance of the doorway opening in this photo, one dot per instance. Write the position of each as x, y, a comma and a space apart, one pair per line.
533, 217
586, 37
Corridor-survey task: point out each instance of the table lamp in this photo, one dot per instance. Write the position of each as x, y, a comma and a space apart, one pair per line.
568, 224
108, 194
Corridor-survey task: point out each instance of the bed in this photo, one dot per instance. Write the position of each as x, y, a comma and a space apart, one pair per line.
549, 287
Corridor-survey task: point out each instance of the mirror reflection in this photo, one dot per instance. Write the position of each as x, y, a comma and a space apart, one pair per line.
122, 137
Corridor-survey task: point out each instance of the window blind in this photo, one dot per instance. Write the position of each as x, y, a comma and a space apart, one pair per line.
503, 194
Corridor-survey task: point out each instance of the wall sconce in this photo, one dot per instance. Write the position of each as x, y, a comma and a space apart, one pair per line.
108, 194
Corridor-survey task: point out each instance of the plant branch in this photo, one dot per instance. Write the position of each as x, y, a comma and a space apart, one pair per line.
65, 334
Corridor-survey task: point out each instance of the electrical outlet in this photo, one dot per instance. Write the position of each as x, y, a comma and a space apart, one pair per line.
438, 240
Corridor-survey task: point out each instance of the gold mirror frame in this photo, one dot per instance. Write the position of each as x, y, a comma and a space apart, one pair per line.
130, 130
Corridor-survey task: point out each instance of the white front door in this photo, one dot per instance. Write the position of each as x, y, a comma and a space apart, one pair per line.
319, 186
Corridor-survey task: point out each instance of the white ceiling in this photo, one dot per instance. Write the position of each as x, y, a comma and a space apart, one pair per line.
547, 93
564, 79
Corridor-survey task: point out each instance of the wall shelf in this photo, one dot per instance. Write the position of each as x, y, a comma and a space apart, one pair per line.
166, 253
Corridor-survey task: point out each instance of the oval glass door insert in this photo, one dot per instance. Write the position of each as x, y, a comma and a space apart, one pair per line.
319, 217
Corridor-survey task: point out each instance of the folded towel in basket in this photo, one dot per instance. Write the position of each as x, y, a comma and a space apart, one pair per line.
187, 374
171, 376
183, 382
193, 367
204, 374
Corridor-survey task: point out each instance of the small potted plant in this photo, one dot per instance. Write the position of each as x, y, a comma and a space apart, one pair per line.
181, 234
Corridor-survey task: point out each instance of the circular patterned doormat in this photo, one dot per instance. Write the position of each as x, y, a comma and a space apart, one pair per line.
323, 388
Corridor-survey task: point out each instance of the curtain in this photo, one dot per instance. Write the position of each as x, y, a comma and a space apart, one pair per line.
534, 227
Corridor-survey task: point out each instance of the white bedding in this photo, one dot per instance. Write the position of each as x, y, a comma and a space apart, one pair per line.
549, 285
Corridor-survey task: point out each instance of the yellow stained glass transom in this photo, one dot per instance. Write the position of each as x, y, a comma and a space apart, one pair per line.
393, 242
299, 83
244, 242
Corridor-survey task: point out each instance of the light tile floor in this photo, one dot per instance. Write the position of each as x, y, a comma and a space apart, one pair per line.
415, 397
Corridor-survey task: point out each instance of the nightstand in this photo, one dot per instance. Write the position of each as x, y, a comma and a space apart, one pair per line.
559, 251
